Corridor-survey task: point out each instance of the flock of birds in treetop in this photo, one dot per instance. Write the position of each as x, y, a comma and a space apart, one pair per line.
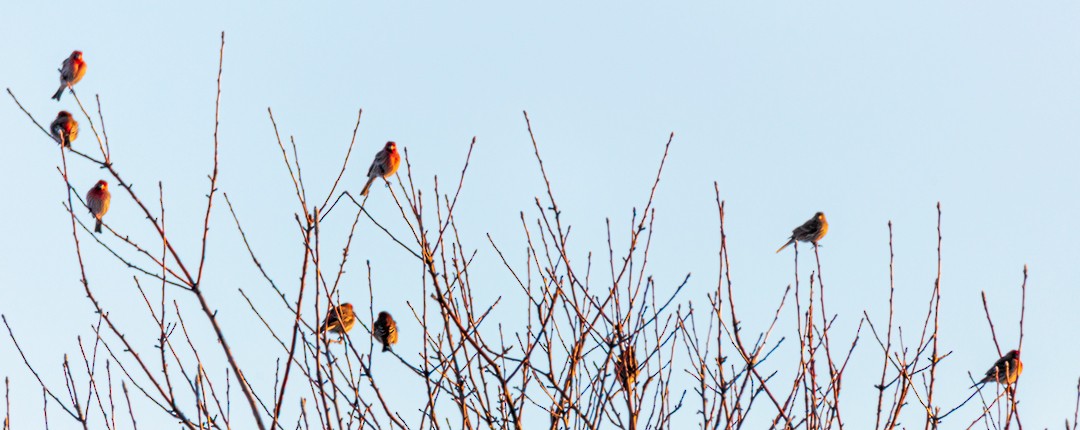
340, 319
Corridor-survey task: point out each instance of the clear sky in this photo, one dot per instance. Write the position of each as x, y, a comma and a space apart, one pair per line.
868, 111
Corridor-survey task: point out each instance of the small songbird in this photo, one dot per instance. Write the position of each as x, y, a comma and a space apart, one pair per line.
385, 164
98, 201
71, 72
626, 368
64, 128
811, 231
339, 320
385, 330
1005, 370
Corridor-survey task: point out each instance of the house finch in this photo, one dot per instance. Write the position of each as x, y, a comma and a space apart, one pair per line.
71, 71
339, 320
98, 201
1005, 370
811, 231
626, 368
385, 329
385, 164
64, 128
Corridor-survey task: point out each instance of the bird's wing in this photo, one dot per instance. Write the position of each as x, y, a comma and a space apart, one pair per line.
377, 164
330, 321
67, 69
809, 226
999, 367
94, 202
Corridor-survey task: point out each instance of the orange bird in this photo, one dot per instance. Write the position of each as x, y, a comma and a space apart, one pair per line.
626, 368
339, 320
810, 231
385, 330
71, 72
64, 128
1005, 370
385, 164
98, 201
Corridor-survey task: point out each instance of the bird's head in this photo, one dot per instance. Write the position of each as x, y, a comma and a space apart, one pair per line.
384, 316
391, 146
1013, 354
347, 306
64, 114
820, 216
76, 55
101, 185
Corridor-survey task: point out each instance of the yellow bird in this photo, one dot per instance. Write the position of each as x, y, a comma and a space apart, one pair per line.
339, 320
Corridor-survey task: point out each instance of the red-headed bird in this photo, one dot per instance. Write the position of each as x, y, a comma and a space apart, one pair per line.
385, 330
98, 201
386, 163
810, 231
64, 128
71, 72
1005, 370
339, 319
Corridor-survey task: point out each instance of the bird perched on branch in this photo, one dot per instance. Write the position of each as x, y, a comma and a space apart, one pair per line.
385, 330
626, 368
810, 231
1005, 370
339, 319
97, 199
71, 72
385, 164
64, 128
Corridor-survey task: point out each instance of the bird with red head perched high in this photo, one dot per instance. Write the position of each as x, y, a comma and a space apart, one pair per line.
385, 330
339, 319
385, 164
98, 202
71, 72
64, 128
1005, 371
810, 231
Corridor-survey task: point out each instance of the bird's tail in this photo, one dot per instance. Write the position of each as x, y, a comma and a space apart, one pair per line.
367, 186
59, 92
386, 347
97, 227
785, 245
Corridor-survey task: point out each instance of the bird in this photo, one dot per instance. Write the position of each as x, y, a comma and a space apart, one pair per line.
385, 164
385, 330
1005, 371
810, 231
97, 199
626, 368
64, 128
71, 72
339, 319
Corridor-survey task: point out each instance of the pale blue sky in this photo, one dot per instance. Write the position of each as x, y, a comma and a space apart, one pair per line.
867, 111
